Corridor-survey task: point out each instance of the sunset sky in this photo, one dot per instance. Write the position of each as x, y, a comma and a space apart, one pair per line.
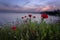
29, 5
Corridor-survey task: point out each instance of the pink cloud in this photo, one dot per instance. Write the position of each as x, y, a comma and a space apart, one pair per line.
45, 8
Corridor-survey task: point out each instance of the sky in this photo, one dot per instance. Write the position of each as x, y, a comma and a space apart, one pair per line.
29, 5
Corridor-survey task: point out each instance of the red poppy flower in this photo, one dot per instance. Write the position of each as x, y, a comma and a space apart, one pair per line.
22, 17
34, 16
30, 15
44, 15
14, 28
25, 16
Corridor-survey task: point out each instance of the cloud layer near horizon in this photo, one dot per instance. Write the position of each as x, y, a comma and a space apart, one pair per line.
29, 5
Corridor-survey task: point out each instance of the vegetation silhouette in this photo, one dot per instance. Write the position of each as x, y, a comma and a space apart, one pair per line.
54, 13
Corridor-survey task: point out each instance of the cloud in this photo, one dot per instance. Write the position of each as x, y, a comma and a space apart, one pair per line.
29, 5
4, 4
55, 3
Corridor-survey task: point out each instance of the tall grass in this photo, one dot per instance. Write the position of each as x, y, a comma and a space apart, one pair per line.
31, 31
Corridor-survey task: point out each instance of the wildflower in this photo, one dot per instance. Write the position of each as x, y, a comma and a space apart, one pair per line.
14, 28
44, 15
22, 17
25, 16
30, 15
34, 16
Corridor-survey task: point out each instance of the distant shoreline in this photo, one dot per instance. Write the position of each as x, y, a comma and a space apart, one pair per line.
54, 13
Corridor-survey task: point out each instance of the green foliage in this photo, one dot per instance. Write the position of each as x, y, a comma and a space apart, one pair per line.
31, 31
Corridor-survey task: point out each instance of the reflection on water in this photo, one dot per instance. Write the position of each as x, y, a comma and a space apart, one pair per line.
9, 17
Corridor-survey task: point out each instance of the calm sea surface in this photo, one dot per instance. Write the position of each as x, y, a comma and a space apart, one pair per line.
10, 17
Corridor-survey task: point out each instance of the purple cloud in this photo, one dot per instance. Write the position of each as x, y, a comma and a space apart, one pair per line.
29, 5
